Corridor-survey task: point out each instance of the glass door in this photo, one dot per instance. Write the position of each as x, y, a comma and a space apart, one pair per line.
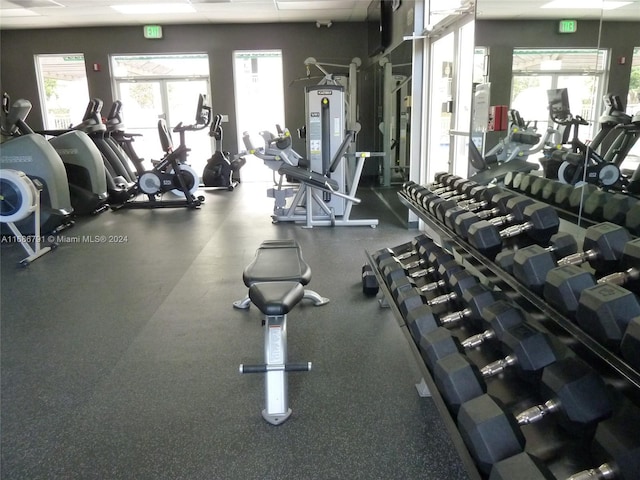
151, 87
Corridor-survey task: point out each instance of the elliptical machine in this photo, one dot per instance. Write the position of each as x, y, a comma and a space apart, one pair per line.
23, 150
221, 172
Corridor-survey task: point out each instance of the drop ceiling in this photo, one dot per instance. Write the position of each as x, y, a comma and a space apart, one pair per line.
23, 14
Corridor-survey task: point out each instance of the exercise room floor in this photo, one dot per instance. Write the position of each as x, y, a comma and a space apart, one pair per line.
120, 360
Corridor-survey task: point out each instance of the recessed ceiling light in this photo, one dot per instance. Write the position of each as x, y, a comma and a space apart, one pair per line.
585, 4
138, 8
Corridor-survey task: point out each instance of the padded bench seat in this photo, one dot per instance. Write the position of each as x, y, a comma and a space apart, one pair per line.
278, 261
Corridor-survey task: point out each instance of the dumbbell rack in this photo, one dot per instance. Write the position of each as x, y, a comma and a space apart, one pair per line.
613, 369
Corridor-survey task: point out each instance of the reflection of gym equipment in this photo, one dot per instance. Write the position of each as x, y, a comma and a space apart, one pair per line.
30, 153
220, 171
521, 141
171, 173
582, 162
395, 124
19, 200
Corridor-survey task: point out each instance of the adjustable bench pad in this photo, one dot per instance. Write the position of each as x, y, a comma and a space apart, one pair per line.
277, 261
276, 298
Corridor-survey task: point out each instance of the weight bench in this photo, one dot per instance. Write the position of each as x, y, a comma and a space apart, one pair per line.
278, 261
276, 279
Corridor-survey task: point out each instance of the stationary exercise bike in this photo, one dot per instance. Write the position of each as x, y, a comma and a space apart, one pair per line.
582, 163
221, 172
171, 173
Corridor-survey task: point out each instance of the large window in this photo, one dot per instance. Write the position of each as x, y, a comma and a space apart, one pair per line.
162, 86
64, 93
581, 71
259, 87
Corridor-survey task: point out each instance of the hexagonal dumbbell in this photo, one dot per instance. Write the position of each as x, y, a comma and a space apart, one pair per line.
530, 264
527, 351
395, 276
577, 396
541, 222
446, 266
508, 206
604, 312
457, 279
602, 247
489, 431
562, 196
616, 208
402, 252
563, 287
522, 465
497, 318
630, 262
615, 448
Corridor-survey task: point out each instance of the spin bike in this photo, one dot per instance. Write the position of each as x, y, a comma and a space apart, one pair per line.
171, 173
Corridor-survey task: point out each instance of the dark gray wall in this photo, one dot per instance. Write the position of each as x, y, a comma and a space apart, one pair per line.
338, 44
503, 36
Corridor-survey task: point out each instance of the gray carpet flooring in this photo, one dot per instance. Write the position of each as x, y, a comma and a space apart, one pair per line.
120, 359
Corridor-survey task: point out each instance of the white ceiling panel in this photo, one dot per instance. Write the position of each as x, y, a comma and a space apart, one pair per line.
72, 13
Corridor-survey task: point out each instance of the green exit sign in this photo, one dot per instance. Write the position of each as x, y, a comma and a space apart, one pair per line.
152, 31
568, 26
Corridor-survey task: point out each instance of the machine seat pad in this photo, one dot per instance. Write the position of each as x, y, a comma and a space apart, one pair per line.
277, 261
311, 178
276, 298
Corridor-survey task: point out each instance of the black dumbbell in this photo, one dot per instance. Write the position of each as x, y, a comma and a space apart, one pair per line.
616, 209
541, 222
595, 203
563, 287
615, 451
370, 286
497, 318
490, 433
562, 196
521, 466
404, 251
602, 247
527, 182
531, 264
446, 265
527, 350
447, 184
549, 191
394, 275
479, 194
508, 208
537, 187
580, 194
458, 280
630, 262
421, 319
576, 394
604, 312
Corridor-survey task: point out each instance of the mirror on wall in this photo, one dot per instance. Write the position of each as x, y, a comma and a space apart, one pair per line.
585, 56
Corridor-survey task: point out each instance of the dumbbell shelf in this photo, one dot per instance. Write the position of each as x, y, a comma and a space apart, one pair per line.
449, 423
542, 436
548, 317
562, 452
